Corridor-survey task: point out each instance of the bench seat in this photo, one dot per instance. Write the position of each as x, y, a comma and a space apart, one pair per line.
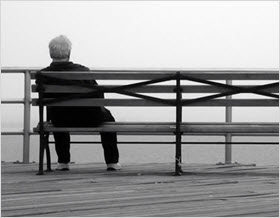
164, 128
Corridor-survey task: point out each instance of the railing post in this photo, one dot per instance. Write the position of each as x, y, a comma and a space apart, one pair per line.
228, 138
26, 121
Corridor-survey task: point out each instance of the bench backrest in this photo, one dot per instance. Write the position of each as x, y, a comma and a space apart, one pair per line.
141, 85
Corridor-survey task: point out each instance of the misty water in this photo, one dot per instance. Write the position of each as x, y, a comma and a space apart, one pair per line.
11, 150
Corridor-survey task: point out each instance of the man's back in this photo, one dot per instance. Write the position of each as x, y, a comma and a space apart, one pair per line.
72, 116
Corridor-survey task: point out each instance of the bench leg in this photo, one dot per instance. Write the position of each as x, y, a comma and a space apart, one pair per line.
44, 144
41, 154
179, 170
178, 158
48, 153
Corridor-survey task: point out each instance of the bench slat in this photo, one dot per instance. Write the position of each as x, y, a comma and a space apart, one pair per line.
86, 102
146, 89
231, 128
147, 75
171, 127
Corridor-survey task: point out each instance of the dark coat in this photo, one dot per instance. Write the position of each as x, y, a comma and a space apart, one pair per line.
73, 116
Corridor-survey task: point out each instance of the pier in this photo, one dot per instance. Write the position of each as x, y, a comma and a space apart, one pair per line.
141, 190
226, 189
192, 88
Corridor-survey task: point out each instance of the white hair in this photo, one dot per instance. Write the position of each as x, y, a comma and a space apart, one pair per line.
60, 47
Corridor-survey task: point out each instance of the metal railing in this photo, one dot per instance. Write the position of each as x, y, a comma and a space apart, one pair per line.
26, 101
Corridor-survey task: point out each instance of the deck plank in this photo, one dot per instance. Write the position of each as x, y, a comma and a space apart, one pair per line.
141, 190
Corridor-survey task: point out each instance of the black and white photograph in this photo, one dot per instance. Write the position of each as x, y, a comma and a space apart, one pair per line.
140, 108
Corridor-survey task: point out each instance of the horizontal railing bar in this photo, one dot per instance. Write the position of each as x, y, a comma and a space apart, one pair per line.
13, 101
155, 134
86, 102
164, 143
187, 123
22, 69
147, 89
131, 133
173, 69
11, 133
107, 70
142, 123
17, 133
15, 70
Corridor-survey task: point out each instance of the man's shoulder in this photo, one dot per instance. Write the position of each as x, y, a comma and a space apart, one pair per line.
65, 66
78, 67
46, 69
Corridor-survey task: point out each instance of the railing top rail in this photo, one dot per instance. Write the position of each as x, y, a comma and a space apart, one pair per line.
18, 69
100, 69
119, 74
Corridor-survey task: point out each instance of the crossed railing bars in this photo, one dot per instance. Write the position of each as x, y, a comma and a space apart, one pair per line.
178, 102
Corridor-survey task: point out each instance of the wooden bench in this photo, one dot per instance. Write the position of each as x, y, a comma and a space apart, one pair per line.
138, 92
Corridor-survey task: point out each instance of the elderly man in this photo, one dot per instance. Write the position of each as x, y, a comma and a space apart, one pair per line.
60, 49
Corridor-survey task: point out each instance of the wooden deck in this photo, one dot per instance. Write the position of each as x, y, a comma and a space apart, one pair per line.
141, 190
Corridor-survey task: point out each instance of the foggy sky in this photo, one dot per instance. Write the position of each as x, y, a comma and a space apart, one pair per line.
181, 34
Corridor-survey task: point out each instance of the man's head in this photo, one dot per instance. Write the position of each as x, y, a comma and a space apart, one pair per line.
60, 48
